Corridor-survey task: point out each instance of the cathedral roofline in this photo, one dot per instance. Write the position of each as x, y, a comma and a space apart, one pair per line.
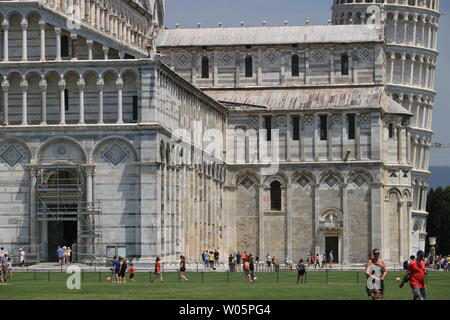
270, 35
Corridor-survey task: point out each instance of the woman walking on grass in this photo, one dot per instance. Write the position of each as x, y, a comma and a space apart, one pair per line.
158, 270
183, 268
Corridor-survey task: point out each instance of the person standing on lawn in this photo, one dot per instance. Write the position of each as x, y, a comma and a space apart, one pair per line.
376, 272
22, 257
61, 254
301, 268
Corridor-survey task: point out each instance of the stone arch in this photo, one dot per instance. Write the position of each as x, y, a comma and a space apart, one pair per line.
14, 12
280, 177
331, 219
54, 140
393, 192
33, 12
303, 173
241, 174
324, 176
355, 173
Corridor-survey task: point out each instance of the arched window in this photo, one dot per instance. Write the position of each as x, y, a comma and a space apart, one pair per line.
295, 66
275, 196
344, 64
205, 67
65, 46
248, 67
391, 130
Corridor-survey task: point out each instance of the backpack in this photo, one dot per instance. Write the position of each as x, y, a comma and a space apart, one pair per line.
405, 265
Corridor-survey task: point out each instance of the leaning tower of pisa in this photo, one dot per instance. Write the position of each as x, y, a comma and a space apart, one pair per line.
411, 52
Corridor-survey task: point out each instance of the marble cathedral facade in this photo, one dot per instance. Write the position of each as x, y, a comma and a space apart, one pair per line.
119, 132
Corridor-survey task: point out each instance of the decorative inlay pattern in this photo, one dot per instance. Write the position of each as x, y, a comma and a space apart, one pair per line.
319, 56
359, 181
365, 54
12, 155
226, 58
331, 181
184, 58
303, 181
272, 56
115, 154
247, 183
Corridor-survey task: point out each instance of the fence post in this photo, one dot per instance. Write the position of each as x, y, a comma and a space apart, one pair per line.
306, 276
357, 277
228, 276
202, 276
326, 276
100, 276
49, 276
278, 271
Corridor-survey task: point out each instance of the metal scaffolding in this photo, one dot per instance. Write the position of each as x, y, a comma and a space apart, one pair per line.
61, 196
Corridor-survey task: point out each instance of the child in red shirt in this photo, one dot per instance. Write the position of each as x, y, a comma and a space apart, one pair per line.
132, 273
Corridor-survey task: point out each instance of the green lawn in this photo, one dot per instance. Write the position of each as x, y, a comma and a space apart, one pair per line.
216, 286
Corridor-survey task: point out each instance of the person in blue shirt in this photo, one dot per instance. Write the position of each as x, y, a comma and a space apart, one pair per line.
60, 253
116, 270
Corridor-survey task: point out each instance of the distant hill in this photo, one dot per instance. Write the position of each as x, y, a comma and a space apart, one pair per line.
440, 177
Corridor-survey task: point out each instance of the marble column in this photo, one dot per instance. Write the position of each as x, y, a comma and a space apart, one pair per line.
42, 25
58, 44
346, 227
62, 104
5, 25
81, 86
43, 87
24, 25
100, 87
90, 43
24, 89
73, 37
5, 89
119, 86
106, 52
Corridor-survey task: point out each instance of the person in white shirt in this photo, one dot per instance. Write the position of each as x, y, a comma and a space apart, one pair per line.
22, 257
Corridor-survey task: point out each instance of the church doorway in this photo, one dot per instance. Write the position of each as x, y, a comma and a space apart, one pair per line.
332, 243
61, 233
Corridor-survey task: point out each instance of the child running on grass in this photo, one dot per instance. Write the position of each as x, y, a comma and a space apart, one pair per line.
132, 273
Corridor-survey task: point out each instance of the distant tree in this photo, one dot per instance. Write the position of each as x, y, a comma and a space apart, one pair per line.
438, 222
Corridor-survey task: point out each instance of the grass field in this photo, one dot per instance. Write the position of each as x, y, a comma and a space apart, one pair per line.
216, 286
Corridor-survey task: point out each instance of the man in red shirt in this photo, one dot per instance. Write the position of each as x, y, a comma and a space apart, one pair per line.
416, 276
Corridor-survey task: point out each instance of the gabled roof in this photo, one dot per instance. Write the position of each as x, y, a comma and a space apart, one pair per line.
307, 99
269, 35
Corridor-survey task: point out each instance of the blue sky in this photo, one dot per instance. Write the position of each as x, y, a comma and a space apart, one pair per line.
231, 12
